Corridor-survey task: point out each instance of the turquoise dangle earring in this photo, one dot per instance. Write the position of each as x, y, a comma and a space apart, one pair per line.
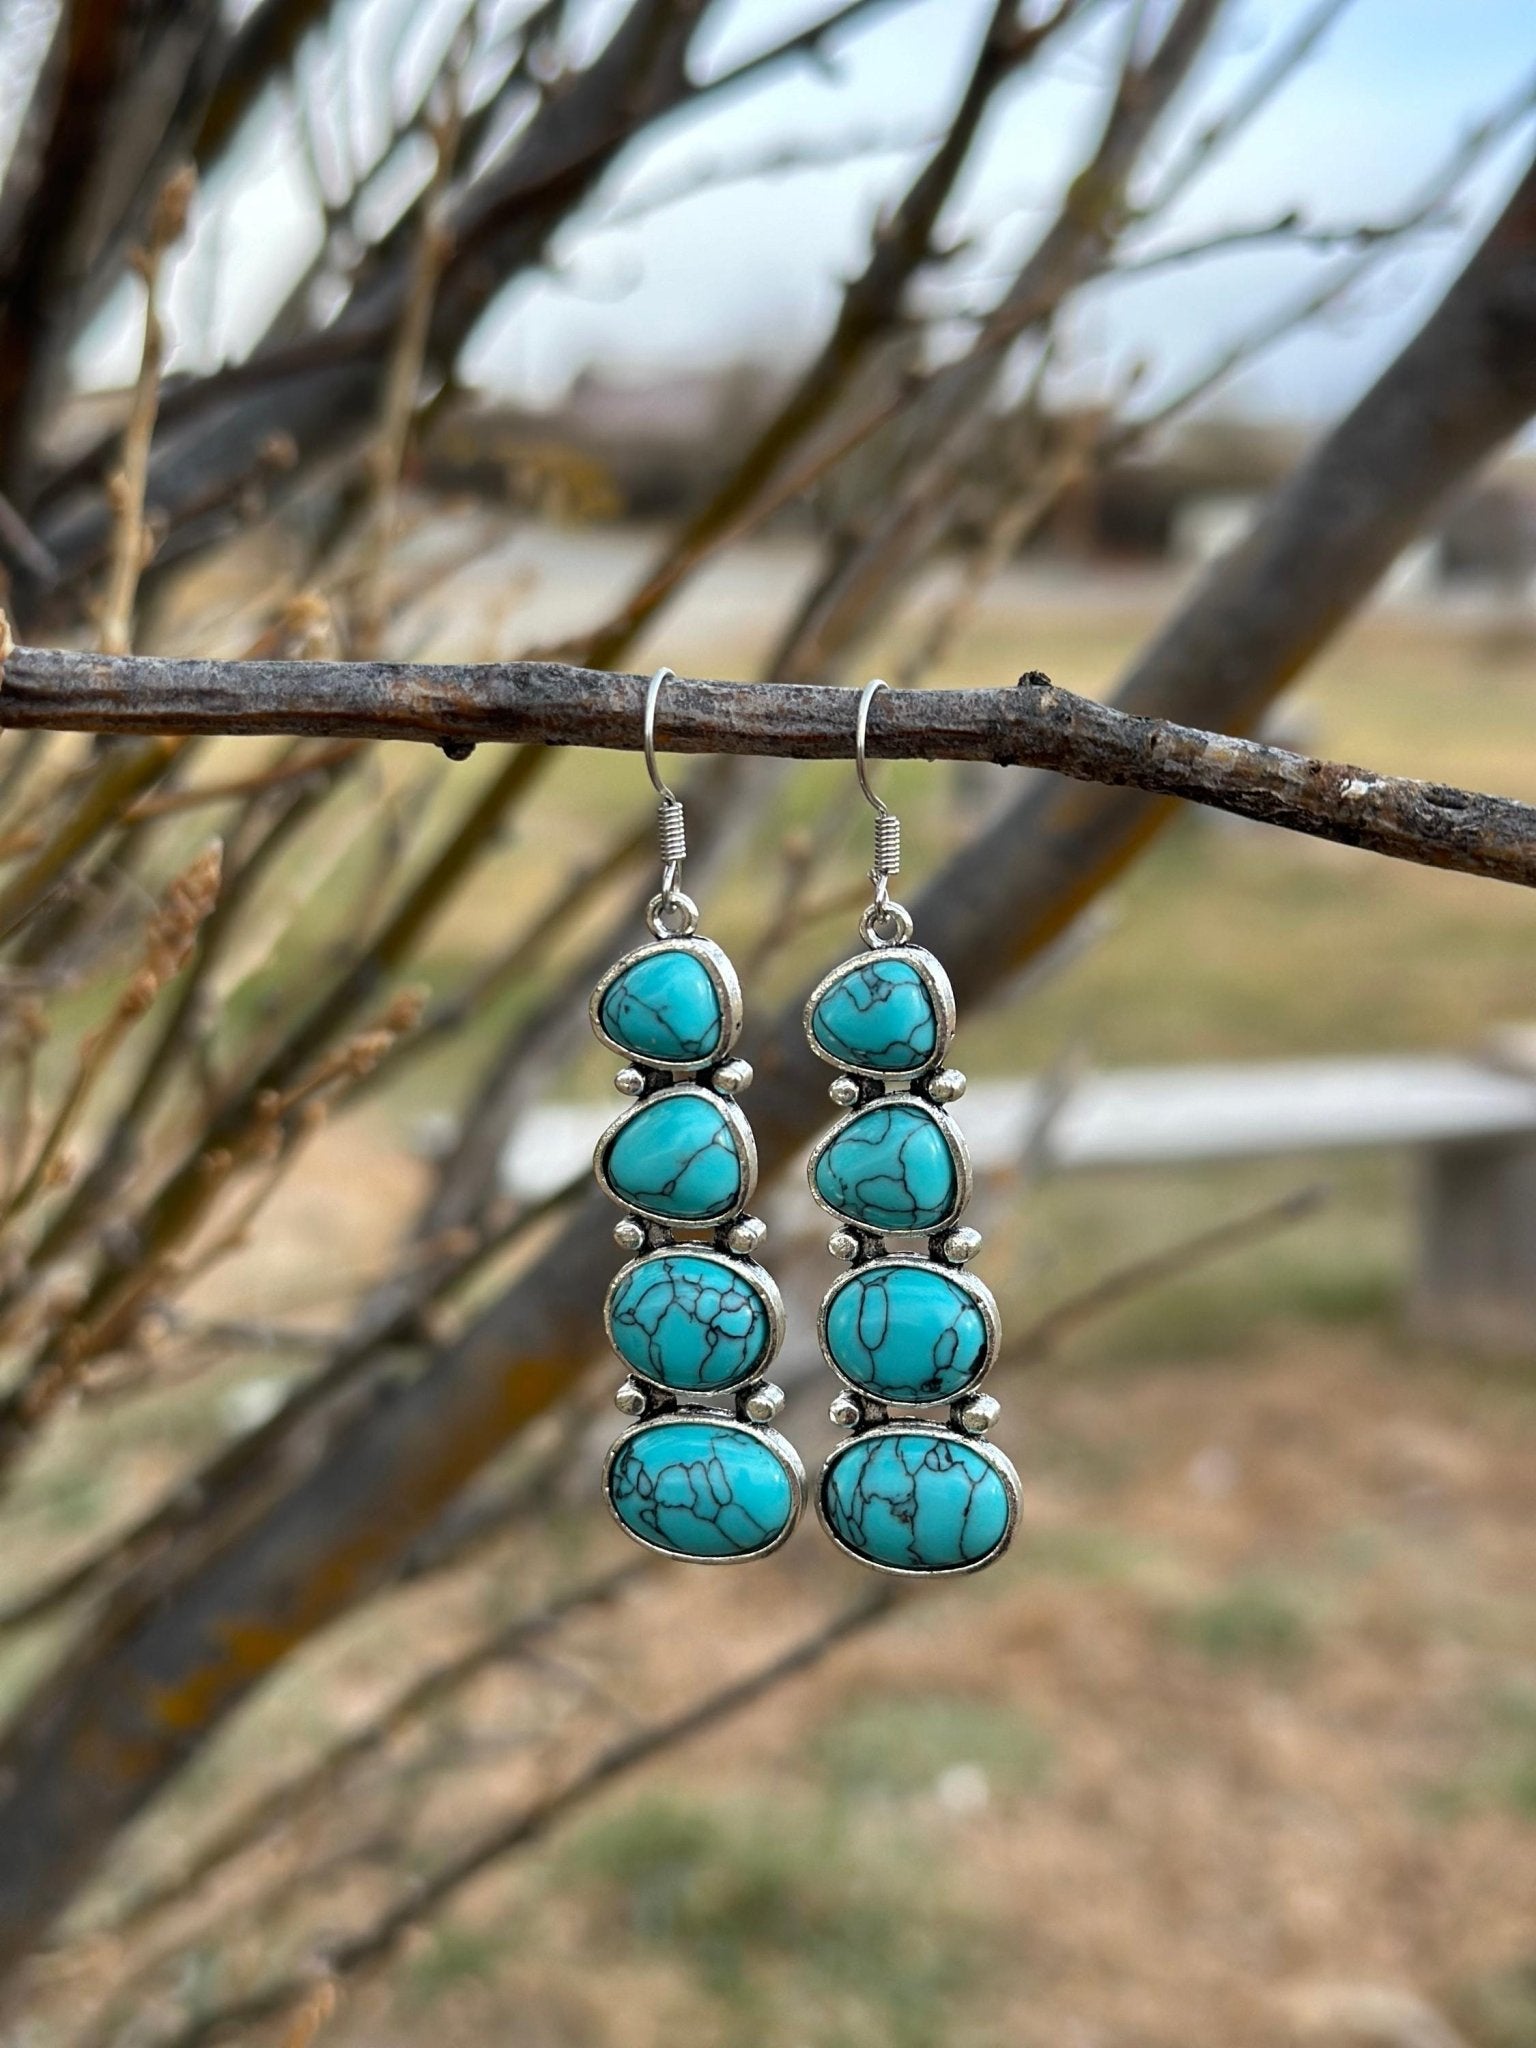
700, 1475
902, 1330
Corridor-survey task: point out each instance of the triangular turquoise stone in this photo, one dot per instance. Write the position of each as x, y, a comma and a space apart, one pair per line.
893, 1166
665, 1009
878, 1015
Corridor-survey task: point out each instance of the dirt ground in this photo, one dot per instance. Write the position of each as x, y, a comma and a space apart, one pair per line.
1239, 1747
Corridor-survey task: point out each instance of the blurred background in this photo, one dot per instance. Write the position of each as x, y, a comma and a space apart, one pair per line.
939, 339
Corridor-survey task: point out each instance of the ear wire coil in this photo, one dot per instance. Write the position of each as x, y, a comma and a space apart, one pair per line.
887, 844
671, 833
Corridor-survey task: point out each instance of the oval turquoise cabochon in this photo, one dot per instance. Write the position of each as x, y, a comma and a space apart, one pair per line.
892, 1166
665, 1007
917, 1500
690, 1322
906, 1332
679, 1156
698, 1489
878, 1015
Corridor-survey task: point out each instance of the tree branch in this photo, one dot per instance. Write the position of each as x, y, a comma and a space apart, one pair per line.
358, 1954
1035, 725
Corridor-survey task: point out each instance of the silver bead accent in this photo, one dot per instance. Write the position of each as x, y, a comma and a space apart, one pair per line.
629, 1398
962, 1244
844, 1091
977, 1415
947, 1085
847, 1410
629, 1081
629, 1235
763, 1403
842, 1244
747, 1235
734, 1077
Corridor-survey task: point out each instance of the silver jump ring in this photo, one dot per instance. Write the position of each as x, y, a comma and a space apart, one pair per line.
671, 914
657, 684
886, 924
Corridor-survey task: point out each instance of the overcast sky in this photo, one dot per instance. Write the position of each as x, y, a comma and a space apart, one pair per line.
751, 268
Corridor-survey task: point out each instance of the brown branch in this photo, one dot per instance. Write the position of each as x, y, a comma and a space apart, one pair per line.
871, 317
362, 1953
300, 407
951, 429
119, 778
391, 1316
1141, 1276
1035, 725
1254, 96
295, 767
169, 940
284, 1802
131, 539
401, 397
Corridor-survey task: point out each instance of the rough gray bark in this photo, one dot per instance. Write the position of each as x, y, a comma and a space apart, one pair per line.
1034, 725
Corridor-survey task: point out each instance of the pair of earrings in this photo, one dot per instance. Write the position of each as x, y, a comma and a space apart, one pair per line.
701, 1474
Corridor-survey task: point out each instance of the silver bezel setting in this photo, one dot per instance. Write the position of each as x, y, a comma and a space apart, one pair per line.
1000, 1463
932, 974
756, 1277
721, 973
957, 1146
741, 1130
979, 1293
759, 1432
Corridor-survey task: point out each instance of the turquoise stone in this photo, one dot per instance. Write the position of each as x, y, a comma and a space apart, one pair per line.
906, 1333
689, 1322
878, 1015
667, 1009
678, 1156
701, 1489
917, 1501
892, 1166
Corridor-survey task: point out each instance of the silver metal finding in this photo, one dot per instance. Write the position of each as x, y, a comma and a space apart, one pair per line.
887, 824
670, 914
654, 688
884, 923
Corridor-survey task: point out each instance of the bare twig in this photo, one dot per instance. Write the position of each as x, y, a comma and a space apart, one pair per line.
293, 767
172, 933
391, 1315
296, 1794
111, 1312
1255, 94
131, 541
1141, 1276
870, 320
1288, 228
362, 1953
402, 383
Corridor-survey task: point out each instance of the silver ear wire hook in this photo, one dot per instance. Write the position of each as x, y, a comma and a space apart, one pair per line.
670, 914
884, 923
867, 696
654, 688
